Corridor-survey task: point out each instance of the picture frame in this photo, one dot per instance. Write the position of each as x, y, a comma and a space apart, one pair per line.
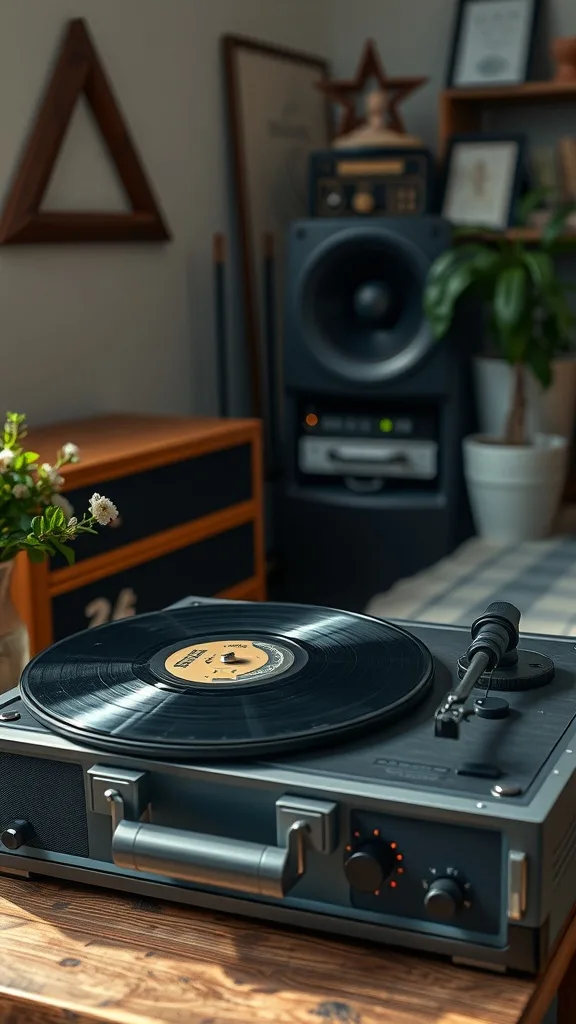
493, 43
483, 178
276, 117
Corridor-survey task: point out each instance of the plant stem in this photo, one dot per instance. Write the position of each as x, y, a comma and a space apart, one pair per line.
515, 432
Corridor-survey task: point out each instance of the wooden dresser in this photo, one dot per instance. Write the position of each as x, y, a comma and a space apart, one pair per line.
189, 494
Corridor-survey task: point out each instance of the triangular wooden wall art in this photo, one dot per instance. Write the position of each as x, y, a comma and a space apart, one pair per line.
78, 70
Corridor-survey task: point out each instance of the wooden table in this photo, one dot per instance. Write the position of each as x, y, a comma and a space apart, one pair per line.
82, 955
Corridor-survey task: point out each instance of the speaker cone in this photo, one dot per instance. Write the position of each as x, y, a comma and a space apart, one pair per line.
361, 304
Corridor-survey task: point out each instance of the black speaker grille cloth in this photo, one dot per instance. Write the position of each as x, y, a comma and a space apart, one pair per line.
50, 796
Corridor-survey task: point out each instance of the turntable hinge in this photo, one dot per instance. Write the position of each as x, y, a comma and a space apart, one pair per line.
517, 885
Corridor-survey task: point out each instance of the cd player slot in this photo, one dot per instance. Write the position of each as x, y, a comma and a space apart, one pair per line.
377, 457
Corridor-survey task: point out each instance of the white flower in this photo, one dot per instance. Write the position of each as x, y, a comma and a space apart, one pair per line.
103, 510
52, 474
20, 491
70, 450
72, 523
6, 458
63, 503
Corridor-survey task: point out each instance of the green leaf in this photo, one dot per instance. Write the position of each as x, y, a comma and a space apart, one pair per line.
31, 457
444, 264
510, 299
440, 308
557, 224
38, 525
530, 202
55, 518
540, 266
65, 550
35, 555
540, 363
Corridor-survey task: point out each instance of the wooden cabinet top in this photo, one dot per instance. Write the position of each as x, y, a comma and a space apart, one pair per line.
116, 445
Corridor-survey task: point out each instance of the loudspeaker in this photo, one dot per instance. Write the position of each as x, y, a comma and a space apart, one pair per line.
374, 411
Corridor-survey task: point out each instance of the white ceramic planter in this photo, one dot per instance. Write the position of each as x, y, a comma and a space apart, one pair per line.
515, 491
550, 411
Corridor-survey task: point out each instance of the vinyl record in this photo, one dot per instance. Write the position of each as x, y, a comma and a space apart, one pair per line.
227, 680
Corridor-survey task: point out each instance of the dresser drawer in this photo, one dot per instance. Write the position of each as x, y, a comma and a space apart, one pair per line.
205, 568
159, 499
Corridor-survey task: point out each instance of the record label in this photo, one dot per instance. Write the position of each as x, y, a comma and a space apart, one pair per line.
228, 661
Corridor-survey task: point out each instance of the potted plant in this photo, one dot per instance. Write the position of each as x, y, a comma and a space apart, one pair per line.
36, 518
514, 480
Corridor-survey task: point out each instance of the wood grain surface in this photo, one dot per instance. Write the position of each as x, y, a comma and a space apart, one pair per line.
75, 954
115, 445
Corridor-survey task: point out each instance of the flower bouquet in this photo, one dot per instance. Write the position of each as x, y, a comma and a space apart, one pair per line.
36, 518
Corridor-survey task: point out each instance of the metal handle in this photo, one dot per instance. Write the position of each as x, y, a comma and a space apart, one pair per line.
369, 458
208, 860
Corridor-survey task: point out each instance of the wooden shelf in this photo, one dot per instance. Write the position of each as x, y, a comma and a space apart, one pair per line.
461, 109
518, 235
529, 92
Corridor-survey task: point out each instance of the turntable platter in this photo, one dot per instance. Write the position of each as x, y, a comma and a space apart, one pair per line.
227, 680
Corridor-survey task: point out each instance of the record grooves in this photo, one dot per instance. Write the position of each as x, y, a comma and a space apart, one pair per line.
227, 680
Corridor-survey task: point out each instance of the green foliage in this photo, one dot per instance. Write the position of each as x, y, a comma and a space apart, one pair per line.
529, 314
34, 516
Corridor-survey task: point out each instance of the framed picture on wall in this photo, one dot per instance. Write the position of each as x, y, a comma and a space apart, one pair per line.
276, 117
493, 42
484, 175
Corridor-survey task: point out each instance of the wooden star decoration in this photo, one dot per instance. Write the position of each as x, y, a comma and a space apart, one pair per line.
344, 92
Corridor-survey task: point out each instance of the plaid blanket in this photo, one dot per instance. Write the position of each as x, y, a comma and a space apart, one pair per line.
539, 577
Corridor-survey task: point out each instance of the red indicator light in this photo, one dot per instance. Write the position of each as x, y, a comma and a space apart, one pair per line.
393, 885
357, 835
311, 420
393, 846
377, 893
399, 856
399, 871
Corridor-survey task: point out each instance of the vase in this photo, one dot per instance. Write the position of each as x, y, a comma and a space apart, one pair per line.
14, 643
515, 490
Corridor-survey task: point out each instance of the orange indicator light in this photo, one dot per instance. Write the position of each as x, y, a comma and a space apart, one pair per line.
376, 832
348, 848
311, 420
399, 871
393, 846
399, 856
377, 893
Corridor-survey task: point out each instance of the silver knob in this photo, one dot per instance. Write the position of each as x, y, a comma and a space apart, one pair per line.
228, 658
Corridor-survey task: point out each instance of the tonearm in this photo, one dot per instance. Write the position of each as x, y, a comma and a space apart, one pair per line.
494, 642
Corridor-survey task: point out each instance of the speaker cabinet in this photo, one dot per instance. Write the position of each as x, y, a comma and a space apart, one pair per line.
374, 411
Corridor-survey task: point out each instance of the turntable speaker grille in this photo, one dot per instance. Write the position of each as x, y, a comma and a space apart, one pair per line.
59, 824
202, 529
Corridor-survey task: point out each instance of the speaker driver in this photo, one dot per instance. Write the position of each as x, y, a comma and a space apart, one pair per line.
361, 304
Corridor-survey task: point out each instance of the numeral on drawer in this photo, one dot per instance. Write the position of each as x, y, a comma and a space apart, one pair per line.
101, 610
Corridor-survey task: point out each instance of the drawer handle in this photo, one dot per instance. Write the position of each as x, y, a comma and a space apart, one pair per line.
209, 860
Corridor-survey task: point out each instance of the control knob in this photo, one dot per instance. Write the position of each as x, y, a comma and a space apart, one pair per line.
16, 834
369, 865
444, 899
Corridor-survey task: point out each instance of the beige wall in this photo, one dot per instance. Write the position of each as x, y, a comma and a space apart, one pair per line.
89, 329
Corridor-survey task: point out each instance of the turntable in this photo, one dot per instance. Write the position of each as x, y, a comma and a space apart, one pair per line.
405, 783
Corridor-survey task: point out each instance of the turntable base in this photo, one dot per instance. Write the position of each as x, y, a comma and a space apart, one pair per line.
84, 955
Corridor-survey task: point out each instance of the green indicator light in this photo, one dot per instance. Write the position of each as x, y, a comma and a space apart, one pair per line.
386, 426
